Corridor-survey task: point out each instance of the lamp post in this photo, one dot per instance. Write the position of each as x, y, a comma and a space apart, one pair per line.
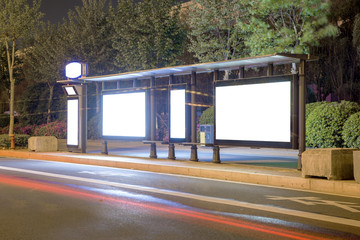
76, 108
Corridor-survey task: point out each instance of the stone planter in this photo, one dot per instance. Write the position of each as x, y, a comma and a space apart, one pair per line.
332, 163
356, 156
43, 144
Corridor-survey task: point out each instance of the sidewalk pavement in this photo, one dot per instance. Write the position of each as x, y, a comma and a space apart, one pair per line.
227, 170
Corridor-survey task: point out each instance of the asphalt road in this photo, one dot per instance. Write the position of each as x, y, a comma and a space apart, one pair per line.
50, 200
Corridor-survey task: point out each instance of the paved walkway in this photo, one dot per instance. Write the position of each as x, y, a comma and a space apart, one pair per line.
239, 164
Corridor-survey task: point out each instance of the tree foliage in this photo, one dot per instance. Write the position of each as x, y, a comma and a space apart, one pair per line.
337, 71
46, 60
287, 26
148, 34
89, 34
215, 29
17, 22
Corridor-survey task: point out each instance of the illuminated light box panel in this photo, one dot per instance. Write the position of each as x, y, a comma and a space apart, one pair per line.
177, 113
124, 115
73, 122
254, 112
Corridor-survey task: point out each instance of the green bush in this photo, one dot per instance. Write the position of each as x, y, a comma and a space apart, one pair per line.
311, 106
207, 116
94, 127
20, 141
325, 123
351, 131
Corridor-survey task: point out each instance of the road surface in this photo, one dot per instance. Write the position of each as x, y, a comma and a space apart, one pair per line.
51, 200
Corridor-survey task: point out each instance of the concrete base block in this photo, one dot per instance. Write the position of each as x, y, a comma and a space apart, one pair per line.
356, 156
332, 163
43, 144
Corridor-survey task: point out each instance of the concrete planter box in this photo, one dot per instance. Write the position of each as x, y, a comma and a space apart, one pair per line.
357, 166
43, 144
332, 163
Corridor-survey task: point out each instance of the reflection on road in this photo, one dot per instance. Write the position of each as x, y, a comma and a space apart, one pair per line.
165, 208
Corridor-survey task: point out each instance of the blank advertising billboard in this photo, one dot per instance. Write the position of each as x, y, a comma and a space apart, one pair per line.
124, 115
254, 112
73, 122
177, 113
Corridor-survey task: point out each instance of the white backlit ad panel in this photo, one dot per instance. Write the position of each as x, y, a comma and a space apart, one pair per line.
124, 115
73, 122
177, 113
254, 112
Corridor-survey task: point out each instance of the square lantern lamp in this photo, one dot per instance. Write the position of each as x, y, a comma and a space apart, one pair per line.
75, 70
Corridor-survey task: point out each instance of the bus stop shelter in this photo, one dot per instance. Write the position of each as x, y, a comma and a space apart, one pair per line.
261, 111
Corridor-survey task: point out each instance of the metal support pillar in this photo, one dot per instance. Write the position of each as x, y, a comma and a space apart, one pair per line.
302, 102
152, 118
194, 155
216, 75
270, 69
171, 154
241, 72
83, 117
216, 154
153, 150
295, 112
104, 149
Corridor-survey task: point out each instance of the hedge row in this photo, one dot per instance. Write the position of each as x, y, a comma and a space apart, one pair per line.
56, 129
23, 133
20, 140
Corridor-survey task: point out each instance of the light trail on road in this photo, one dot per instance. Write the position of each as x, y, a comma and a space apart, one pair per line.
216, 200
75, 193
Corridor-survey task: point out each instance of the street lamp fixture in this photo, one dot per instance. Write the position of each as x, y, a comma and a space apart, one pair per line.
76, 70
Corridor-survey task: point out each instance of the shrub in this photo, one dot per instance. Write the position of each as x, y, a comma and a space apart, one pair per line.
94, 127
311, 106
56, 129
325, 123
18, 129
207, 116
351, 131
21, 140
27, 130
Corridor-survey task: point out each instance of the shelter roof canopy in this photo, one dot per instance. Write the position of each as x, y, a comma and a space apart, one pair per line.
276, 59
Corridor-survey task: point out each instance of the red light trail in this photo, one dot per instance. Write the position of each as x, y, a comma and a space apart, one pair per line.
67, 191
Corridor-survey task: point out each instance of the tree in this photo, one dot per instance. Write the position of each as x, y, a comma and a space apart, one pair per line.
4, 76
17, 22
90, 33
338, 63
148, 34
46, 60
287, 26
215, 30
